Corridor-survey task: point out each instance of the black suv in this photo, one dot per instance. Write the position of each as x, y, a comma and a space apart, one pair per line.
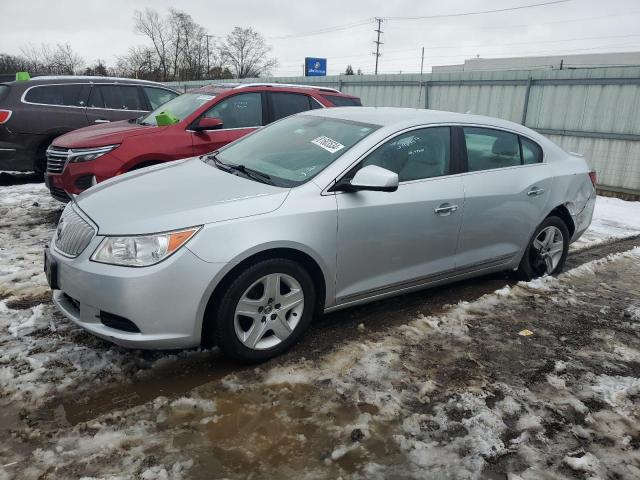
34, 112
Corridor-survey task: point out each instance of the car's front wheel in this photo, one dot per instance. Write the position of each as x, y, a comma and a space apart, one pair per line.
264, 310
547, 250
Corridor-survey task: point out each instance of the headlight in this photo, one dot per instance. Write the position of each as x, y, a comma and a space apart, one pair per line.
86, 154
141, 250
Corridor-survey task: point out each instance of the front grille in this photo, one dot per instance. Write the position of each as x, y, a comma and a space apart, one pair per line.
56, 159
73, 233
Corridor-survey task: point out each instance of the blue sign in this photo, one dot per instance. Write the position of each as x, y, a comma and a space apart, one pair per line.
315, 67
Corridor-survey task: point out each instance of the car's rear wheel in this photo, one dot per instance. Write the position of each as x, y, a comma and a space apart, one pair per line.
265, 310
547, 250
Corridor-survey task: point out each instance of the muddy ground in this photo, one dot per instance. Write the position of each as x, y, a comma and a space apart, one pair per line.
435, 384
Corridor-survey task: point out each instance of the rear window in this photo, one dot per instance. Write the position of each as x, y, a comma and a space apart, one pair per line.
4, 91
339, 101
158, 96
285, 104
72, 95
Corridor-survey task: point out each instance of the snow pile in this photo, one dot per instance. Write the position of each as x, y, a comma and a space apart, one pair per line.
613, 218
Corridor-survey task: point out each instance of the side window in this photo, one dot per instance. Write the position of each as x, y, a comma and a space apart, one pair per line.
488, 149
531, 151
240, 111
343, 101
158, 96
285, 104
132, 98
95, 98
414, 155
64, 95
116, 97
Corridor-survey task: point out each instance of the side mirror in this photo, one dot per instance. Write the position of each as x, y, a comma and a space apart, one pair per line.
205, 123
371, 177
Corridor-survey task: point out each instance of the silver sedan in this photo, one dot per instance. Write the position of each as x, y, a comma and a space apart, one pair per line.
319, 211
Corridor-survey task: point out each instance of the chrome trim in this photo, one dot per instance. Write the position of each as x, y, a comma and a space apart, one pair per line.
7, 149
90, 83
287, 85
325, 190
73, 233
419, 283
58, 157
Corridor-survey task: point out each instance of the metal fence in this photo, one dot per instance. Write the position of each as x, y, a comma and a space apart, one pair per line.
594, 111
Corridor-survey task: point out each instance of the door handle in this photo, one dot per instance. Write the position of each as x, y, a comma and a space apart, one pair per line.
101, 120
535, 191
445, 209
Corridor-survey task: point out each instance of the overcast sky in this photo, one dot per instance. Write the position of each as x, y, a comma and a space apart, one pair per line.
104, 28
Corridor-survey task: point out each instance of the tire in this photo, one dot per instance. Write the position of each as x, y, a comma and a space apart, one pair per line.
276, 316
40, 164
544, 255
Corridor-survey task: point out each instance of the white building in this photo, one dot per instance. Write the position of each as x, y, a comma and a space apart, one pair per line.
555, 62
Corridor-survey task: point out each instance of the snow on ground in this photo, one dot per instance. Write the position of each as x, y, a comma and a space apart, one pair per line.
613, 218
447, 395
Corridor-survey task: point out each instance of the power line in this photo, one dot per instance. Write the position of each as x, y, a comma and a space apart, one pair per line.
479, 12
378, 42
337, 28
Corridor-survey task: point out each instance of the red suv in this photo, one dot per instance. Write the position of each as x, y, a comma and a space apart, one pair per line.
193, 123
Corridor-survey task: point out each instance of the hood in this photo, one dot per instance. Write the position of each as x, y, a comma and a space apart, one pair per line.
175, 195
103, 134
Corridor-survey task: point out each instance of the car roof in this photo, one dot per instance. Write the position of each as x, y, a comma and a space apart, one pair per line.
406, 117
83, 78
216, 88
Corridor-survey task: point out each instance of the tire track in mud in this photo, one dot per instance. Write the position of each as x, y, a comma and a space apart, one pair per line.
325, 335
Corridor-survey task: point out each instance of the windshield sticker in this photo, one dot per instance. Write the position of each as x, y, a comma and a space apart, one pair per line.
329, 145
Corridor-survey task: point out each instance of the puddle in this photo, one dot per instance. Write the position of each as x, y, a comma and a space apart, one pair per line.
183, 375
286, 428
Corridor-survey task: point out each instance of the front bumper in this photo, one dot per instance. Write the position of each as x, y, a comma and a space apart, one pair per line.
165, 301
77, 177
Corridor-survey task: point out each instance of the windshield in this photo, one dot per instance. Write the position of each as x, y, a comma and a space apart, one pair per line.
294, 150
180, 107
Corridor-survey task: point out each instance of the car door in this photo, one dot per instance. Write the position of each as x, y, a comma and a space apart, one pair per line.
55, 109
240, 114
109, 103
506, 191
388, 241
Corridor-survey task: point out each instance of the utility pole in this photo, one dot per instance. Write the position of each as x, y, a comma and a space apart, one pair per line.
422, 62
208, 55
378, 42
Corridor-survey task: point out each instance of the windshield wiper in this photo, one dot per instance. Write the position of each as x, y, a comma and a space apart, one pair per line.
232, 167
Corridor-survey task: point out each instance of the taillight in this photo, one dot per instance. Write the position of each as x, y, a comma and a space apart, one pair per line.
4, 116
593, 177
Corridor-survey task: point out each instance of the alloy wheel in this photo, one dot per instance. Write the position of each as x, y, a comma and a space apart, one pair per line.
269, 311
548, 247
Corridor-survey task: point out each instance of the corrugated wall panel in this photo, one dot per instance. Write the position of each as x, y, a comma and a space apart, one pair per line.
592, 108
617, 162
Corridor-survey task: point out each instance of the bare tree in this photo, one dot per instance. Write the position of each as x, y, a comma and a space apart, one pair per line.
246, 53
61, 59
139, 62
12, 64
151, 25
